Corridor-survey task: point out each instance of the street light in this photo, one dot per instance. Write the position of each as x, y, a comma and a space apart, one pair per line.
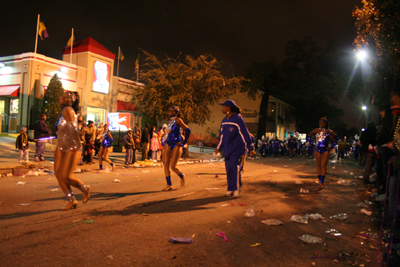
364, 107
361, 55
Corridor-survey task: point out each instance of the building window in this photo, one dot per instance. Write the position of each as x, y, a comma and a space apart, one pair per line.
98, 115
271, 113
14, 106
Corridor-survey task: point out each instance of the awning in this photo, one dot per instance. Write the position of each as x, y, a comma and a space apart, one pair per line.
126, 106
10, 90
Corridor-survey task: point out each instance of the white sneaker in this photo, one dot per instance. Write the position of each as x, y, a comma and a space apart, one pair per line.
236, 193
229, 193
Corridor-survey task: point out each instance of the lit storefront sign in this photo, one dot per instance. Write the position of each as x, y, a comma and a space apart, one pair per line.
119, 121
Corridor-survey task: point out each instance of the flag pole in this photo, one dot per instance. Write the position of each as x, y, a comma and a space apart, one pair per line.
37, 31
119, 51
72, 45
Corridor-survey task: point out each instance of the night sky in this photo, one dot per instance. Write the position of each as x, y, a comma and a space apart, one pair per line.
236, 32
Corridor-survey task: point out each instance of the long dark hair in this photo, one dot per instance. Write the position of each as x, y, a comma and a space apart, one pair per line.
236, 109
75, 105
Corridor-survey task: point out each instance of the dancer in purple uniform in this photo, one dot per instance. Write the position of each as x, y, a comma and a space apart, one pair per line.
235, 141
322, 149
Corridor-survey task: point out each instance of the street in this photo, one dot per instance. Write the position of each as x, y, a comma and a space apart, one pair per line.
129, 223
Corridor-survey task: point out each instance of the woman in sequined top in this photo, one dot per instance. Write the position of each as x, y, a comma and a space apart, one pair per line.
173, 146
69, 150
106, 141
323, 137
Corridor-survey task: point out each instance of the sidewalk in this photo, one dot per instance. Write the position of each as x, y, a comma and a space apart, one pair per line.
9, 158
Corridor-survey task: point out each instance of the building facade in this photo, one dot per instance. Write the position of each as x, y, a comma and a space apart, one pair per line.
281, 120
88, 70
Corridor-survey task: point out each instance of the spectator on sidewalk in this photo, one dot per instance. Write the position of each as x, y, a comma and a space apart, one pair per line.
201, 146
40, 131
145, 141
368, 143
154, 147
129, 146
89, 132
22, 144
136, 139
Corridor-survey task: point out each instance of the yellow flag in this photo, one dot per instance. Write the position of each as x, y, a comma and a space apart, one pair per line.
71, 41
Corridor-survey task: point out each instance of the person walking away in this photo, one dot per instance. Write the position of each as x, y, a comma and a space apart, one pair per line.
368, 143
129, 146
40, 131
276, 144
235, 141
291, 146
145, 142
22, 145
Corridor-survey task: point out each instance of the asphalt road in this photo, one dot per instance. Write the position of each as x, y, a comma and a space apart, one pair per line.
130, 223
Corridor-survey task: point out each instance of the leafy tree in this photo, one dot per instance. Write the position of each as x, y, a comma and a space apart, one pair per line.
51, 102
264, 79
378, 27
307, 79
192, 84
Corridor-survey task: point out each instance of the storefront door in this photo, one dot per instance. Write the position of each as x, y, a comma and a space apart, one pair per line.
14, 110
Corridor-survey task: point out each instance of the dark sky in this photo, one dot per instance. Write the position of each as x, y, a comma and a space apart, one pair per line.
234, 31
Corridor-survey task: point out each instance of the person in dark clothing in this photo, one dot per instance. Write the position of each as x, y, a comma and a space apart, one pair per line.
22, 145
145, 141
292, 146
368, 143
382, 151
136, 139
40, 131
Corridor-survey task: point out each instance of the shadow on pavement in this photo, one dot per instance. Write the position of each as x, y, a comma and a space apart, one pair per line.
174, 205
24, 214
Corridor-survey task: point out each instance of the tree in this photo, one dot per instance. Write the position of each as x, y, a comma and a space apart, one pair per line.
378, 27
264, 78
307, 79
191, 84
51, 102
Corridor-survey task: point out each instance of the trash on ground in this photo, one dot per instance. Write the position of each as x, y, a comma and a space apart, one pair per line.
213, 188
272, 222
315, 216
24, 204
299, 218
216, 176
344, 182
78, 170
181, 240
146, 171
340, 216
255, 245
55, 189
250, 212
116, 181
21, 183
310, 239
222, 234
275, 171
334, 232
9, 174
368, 202
366, 212
224, 205
298, 182
304, 191
110, 257
362, 204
